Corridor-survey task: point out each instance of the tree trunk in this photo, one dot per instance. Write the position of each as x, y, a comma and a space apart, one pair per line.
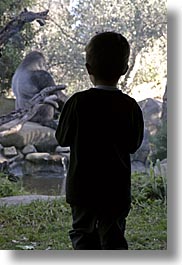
130, 75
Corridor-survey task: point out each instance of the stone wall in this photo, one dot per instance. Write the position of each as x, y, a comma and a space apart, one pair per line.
31, 150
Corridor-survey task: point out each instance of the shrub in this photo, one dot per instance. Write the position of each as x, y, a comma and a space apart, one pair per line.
149, 187
9, 188
159, 143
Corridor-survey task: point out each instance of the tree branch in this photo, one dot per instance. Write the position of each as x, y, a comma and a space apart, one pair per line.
71, 38
16, 24
14, 121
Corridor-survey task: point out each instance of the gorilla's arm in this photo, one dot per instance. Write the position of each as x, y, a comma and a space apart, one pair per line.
41, 79
13, 122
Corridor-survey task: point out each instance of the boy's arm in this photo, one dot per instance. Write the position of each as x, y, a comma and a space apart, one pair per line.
65, 130
137, 131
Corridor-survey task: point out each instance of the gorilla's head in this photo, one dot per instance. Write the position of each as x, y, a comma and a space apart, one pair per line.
34, 61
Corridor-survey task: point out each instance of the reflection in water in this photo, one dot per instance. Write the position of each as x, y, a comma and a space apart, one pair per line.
45, 177
47, 182
44, 185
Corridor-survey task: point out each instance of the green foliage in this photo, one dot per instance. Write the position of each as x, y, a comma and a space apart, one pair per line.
69, 27
12, 52
45, 226
8, 188
153, 62
159, 143
147, 227
149, 187
40, 225
10, 59
75, 25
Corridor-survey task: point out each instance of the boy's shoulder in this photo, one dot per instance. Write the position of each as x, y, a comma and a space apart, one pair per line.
85, 93
79, 93
127, 97
75, 96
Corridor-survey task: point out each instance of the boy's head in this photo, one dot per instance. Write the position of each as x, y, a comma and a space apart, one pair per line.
107, 56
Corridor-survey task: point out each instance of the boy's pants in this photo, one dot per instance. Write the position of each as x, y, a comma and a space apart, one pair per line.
94, 230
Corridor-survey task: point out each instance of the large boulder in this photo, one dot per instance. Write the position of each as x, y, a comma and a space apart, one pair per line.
160, 168
43, 164
137, 166
151, 109
164, 107
142, 153
43, 138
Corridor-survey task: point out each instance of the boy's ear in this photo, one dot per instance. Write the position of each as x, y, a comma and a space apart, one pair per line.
89, 70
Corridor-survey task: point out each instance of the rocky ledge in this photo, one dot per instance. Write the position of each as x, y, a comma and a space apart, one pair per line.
34, 148
25, 199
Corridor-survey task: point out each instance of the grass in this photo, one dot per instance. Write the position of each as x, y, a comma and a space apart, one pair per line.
147, 227
40, 226
44, 225
10, 188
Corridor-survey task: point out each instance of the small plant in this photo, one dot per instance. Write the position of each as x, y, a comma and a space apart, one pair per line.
149, 187
158, 183
9, 188
159, 143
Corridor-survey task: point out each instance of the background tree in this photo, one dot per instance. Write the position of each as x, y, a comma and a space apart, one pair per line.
74, 22
11, 54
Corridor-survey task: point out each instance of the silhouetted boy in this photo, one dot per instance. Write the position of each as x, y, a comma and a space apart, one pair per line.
102, 126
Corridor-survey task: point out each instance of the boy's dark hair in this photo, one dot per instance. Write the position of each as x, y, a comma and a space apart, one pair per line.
107, 54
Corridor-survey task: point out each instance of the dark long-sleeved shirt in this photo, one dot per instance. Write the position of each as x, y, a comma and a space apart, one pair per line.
102, 128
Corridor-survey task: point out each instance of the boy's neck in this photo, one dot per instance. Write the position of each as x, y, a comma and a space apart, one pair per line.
106, 87
105, 83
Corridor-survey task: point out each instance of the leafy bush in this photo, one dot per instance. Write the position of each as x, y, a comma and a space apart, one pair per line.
11, 53
149, 187
9, 188
159, 143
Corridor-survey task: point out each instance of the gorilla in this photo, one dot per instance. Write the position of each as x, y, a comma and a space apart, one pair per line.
29, 79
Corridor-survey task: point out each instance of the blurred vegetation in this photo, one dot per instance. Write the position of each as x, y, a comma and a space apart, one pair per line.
10, 188
159, 143
149, 187
12, 53
69, 27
